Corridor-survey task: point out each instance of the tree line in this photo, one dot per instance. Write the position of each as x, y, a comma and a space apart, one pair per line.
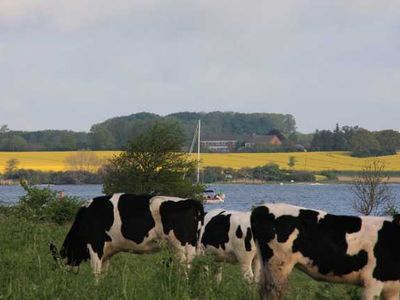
115, 133
361, 142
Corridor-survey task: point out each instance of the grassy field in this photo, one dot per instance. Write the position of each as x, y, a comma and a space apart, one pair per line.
310, 161
29, 272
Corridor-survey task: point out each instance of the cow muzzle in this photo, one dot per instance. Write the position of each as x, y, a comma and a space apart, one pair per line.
56, 255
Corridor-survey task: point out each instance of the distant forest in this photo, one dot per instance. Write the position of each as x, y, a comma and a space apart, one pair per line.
113, 134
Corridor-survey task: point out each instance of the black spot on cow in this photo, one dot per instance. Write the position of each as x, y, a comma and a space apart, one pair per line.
216, 232
136, 216
239, 233
263, 228
183, 218
325, 243
387, 252
247, 240
89, 227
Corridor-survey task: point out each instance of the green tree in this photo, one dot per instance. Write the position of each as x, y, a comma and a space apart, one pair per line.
292, 162
268, 172
16, 143
11, 167
322, 140
83, 161
4, 128
101, 139
339, 140
389, 141
364, 143
153, 163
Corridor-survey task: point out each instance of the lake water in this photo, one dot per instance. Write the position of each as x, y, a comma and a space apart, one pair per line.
334, 198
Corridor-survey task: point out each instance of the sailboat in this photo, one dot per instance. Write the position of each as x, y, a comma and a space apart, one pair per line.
209, 195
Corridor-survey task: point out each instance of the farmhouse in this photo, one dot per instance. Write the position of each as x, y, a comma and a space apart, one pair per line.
229, 144
220, 145
261, 140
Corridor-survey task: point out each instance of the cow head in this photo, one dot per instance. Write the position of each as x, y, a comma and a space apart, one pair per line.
74, 249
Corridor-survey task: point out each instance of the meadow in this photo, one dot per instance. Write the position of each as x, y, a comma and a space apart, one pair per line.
305, 161
29, 272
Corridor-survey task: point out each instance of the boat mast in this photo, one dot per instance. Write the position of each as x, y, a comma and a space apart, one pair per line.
198, 152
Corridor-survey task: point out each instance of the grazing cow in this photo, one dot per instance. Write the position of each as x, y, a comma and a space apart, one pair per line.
132, 223
363, 251
227, 236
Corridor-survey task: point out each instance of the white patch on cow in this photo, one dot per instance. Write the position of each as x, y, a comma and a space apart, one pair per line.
280, 209
95, 261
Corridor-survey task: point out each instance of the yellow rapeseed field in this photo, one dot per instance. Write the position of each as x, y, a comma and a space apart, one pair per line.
310, 161
45, 161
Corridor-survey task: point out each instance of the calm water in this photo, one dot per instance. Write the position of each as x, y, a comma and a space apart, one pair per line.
335, 198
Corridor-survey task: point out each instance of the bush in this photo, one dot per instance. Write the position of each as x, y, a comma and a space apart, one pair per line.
44, 204
216, 174
329, 175
269, 172
300, 176
60, 177
153, 164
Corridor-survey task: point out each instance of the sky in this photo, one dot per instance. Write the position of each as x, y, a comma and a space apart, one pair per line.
67, 64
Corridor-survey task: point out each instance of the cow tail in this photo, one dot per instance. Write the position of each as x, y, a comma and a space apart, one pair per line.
267, 287
263, 231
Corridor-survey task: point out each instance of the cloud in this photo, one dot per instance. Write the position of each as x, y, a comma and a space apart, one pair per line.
323, 61
70, 15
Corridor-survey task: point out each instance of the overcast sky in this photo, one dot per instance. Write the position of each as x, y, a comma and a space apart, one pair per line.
67, 64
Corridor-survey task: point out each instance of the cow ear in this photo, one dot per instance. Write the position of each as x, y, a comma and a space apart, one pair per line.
396, 219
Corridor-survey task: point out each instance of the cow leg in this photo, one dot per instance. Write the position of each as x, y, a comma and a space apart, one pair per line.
390, 294
245, 267
108, 252
105, 264
190, 254
256, 265
372, 292
184, 254
274, 278
218, 274
95, 261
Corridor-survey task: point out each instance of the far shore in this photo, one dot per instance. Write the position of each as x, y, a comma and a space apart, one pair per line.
340, 179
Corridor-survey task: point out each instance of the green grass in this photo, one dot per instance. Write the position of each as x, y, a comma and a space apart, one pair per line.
27, 271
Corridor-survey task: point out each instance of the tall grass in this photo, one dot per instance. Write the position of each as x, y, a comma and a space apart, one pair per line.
27, 271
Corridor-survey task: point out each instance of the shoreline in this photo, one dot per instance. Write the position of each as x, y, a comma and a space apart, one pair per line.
342, 179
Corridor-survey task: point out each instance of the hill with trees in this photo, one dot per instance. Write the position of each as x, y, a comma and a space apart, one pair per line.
115, 133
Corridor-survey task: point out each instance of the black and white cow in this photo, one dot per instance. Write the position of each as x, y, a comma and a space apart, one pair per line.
227, 236
363, 251
132, 223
